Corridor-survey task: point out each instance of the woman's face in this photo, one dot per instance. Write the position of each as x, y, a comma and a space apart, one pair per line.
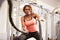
28, 10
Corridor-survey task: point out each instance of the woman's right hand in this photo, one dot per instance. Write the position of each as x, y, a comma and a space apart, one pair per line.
26, 31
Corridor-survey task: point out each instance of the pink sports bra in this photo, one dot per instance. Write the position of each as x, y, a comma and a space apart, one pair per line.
31, 25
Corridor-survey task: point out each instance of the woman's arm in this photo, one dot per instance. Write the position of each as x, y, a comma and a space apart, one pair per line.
23, 24
38, 17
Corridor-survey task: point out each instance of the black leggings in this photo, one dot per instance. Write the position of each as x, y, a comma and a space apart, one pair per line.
33, 34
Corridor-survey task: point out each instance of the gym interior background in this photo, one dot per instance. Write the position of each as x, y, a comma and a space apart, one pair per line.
48, 9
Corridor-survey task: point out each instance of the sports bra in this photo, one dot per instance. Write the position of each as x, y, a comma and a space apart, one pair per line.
31, 24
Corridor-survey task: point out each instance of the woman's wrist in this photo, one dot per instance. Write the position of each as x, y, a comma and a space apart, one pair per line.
25, 29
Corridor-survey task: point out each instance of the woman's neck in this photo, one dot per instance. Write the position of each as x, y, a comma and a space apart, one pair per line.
28, 15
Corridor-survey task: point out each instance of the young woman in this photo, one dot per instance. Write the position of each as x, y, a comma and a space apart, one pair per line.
29, 23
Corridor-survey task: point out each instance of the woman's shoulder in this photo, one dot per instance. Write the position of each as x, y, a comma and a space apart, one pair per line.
22, 17
35, 14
